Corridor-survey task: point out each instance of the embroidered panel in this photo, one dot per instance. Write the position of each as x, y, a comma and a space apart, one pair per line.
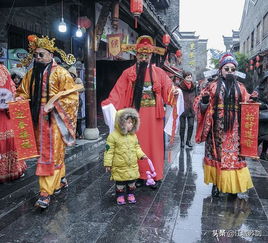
147, 99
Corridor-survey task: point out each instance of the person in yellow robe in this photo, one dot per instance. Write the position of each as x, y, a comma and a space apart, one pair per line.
54, 103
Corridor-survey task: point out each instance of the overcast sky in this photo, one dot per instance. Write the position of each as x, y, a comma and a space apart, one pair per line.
211, 19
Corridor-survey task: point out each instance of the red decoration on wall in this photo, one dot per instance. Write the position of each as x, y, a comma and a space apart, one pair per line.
251, 62
84, 22
257, 65
136, 8
178, 53
166, 39
257, 58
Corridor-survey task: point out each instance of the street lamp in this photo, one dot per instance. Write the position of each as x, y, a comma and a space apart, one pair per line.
62, 26
79, 32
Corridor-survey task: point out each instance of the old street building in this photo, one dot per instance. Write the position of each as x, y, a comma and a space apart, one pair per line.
194, 54
232, 42
254, 36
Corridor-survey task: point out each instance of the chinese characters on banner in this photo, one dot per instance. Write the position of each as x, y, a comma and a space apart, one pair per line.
249, 129
192, 55
21, 118
114, 44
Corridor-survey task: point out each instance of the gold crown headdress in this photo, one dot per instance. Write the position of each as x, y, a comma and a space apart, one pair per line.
45, 43
145, 44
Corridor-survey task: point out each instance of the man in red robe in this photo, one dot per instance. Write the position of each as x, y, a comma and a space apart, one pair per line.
146, 88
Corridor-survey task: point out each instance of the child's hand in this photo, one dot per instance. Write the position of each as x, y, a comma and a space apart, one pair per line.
108, 168
144, 157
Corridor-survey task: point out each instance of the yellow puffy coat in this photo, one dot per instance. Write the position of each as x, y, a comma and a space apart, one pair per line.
123, 149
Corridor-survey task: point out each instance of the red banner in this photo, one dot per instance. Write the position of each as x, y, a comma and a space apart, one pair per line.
21, 118
249, 129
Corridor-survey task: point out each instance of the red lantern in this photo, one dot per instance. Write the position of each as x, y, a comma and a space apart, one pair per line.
258, 58
84, 22
251, 67
246, 69
257, 64
136, 8
166, 39
251, 62
178, 53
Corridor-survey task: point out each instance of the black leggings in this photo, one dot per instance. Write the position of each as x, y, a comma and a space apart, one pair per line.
190, 121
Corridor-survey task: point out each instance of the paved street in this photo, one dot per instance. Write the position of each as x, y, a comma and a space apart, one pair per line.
181, 210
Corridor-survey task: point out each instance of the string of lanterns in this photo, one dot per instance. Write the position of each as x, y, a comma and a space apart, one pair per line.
251, 63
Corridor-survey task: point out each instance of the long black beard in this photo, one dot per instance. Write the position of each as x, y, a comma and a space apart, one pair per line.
139, 83
36, 94
231, 104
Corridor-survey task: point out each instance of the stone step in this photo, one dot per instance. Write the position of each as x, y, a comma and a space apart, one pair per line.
18, 196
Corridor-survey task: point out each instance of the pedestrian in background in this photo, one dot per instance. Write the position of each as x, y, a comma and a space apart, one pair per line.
188, 88
10, 167
17, 75
122, 154
218, 115
261, 95
73, 72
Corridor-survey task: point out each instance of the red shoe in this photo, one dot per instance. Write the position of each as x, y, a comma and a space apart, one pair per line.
120, 200
131, 198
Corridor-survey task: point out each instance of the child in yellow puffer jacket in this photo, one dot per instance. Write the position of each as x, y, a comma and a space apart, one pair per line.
122, 154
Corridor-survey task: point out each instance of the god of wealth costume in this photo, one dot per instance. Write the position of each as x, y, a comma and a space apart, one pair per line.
56, 128
157, 90
219, 126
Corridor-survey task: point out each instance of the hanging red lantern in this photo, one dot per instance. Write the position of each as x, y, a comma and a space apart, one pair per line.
246, 69
251, 67
166, 39
251, 62
136, 8
178, 53
257, 65
257, 58
84, 22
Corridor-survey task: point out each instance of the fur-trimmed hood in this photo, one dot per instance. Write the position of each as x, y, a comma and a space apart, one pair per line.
122, 116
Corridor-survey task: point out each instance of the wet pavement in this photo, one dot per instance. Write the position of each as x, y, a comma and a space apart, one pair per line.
181, 210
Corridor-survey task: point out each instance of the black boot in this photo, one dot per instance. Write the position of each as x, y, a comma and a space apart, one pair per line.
264, 156
156, 185
215, 191
139, 183
189, 136
189, 144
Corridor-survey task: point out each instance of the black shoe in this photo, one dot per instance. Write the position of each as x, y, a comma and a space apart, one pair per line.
156, 185
189, 144
139, 183
264, 156
215, 191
